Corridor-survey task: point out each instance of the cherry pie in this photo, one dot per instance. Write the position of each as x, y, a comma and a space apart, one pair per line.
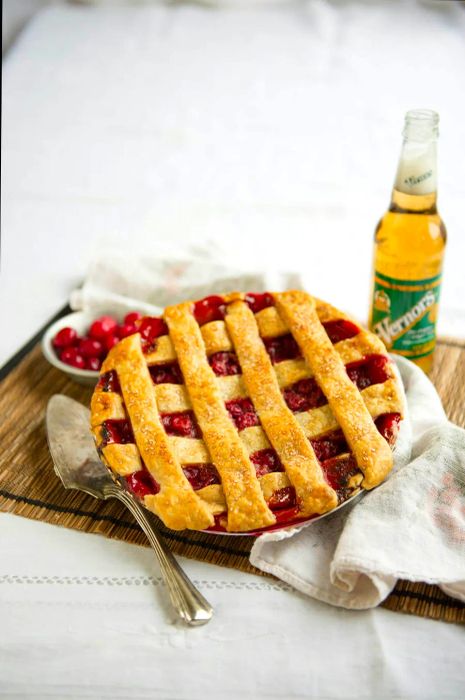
241, 411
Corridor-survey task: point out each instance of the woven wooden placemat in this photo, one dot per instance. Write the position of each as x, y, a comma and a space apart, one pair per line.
29, 486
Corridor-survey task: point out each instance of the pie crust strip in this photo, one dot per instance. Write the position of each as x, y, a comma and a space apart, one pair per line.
280, 425
247, 508
372, 453
176, 503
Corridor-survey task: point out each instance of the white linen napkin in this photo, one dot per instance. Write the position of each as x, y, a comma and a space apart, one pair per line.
411, 527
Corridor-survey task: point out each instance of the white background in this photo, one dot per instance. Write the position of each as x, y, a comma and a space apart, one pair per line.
273, 132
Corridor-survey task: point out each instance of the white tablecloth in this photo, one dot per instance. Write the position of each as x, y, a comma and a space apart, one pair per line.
275, 133
83, 616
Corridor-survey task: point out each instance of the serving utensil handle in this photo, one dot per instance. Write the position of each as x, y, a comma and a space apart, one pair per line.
187, 601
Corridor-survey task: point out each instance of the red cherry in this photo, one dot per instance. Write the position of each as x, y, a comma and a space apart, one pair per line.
166, 374
388, 426
110, 341
224, 363
88, 347
109, 382
152, 327
93, 363
71, 356
283, 347
303, 395
373, 369
257, 302
181, 424
132, 317
101, 327
201, 475
209, 309
126, 329
283, 498
243, 413
142, 484
329, 446
338, 471
340, 330
64, 338
266, 461
117, 431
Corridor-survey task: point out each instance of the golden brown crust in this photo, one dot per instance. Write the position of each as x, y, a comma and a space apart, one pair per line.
242, 494
290, 371
246, 506
231, 387
123, 459
283, 431
215, 337
162, 351
172, 398
270, 324
176, 503
371, 451
189, 450
105, 406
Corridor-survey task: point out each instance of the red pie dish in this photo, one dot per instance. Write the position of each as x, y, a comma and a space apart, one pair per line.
241, 413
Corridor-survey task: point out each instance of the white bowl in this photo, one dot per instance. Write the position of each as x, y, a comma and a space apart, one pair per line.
80, 321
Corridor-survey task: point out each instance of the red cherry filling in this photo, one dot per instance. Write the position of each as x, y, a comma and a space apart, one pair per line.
109, 382
286, 515
340, 330
243, 413
151, 328
266, 461
257, 302
142, 484
64, 338
388, 426
304, 395
181, 424
338, 471
117, 431
282, 348
283, 498
224, 363
166, 374
370, 370
330, 445
209, 309
201, 475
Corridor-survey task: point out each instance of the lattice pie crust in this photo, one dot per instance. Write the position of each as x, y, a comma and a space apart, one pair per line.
224, 413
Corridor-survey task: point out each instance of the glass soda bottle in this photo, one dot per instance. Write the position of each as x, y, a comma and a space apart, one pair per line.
409, 247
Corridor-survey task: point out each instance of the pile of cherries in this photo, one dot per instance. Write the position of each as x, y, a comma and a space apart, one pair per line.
89, 351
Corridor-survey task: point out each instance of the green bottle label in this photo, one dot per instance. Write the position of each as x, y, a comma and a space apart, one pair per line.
404, 314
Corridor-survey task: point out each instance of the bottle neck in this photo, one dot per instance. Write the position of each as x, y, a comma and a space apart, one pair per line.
416, 178
402, 203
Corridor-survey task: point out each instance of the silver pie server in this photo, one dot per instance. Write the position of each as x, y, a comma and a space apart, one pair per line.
78, 465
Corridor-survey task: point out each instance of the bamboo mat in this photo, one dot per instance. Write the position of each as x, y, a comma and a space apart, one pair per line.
29, 486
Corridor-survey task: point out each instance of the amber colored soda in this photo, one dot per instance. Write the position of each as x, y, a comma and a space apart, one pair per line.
409, 246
